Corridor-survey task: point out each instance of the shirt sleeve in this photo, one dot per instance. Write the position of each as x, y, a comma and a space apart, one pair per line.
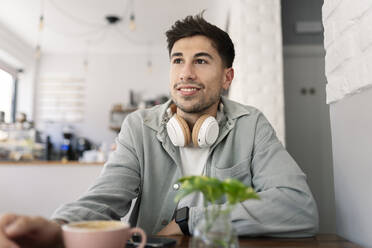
118, 184
286, 207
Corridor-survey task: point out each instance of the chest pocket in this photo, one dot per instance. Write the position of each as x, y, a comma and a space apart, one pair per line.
240, 171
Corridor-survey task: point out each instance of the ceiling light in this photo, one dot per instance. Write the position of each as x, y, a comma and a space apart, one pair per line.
41, 23
132, 22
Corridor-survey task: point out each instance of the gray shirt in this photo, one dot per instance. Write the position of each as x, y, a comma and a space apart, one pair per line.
146, 165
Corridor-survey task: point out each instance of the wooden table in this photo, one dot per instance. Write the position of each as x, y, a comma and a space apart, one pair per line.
321, 240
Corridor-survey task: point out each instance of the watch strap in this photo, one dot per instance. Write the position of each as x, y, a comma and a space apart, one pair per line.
184, 226
183, 222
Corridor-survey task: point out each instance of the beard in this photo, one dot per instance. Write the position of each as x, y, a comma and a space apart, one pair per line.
200, 106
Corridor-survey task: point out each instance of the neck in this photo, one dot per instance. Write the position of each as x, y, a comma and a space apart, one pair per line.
191, 118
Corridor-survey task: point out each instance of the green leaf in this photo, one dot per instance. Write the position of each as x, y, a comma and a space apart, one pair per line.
214, 189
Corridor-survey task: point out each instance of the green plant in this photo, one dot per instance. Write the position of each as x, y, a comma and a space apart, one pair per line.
217, 215
213, 189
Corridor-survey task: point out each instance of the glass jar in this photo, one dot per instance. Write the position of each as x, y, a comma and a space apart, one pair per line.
215, 230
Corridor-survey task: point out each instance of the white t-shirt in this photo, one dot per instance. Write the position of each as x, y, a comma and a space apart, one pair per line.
193, 161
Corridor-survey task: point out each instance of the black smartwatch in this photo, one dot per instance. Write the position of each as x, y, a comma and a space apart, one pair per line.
182, 219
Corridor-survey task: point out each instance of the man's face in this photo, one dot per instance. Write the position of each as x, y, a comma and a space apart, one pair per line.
197, 74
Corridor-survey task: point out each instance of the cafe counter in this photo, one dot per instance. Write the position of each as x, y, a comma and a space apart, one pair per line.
39, 187
42, 162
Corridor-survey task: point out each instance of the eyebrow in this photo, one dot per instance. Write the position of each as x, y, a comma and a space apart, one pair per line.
201, 54
176, 55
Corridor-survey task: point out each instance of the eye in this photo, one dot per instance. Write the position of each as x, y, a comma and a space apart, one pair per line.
177, 61
201, 61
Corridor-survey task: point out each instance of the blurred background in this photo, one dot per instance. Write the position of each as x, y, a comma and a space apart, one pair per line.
70, 71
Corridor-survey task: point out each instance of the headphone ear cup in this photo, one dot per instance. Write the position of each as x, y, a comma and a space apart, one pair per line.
205, 131
178, 131
196, 129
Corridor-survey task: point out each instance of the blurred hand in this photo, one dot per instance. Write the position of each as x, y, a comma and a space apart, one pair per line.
171, 229
25, 231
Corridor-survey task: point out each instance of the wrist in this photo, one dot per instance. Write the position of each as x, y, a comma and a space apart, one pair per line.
60, 221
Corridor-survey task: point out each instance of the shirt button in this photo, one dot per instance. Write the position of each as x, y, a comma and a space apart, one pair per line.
176, 186
164, 222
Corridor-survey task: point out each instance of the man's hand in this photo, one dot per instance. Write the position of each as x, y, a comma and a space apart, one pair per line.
171, 229
23, 231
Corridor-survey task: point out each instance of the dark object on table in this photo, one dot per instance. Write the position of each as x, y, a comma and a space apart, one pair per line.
67, 149
153, 241
48, 149
82, 145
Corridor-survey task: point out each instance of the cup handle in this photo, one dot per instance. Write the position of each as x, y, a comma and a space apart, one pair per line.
143, 236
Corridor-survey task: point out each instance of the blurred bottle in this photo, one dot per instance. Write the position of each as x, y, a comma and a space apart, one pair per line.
67, 150
2, 117
82, 145
48, 149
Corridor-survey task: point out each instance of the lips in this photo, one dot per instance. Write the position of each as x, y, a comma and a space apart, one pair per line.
188, 89
188, 85
180, 87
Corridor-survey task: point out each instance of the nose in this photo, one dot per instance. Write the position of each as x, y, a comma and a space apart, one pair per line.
187, 73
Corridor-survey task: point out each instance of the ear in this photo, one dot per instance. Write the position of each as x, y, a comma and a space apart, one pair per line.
228, 77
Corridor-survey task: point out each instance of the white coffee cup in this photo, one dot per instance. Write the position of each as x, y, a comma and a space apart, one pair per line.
99, 234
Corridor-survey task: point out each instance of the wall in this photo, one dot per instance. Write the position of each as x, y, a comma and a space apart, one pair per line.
308, 127
348, 43
108, 79
24, 187
351, 123
308, 134
255, 28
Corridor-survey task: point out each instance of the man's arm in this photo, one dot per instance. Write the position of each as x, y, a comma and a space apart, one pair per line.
118, 184
286, 207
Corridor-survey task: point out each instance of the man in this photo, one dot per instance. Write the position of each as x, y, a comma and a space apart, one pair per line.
197, 132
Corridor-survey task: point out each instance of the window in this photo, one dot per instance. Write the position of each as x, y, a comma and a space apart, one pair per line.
7, 84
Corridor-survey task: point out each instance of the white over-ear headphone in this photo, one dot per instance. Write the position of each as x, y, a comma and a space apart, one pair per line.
204, 132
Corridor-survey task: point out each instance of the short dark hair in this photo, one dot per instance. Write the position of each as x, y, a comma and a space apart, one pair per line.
197, 25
